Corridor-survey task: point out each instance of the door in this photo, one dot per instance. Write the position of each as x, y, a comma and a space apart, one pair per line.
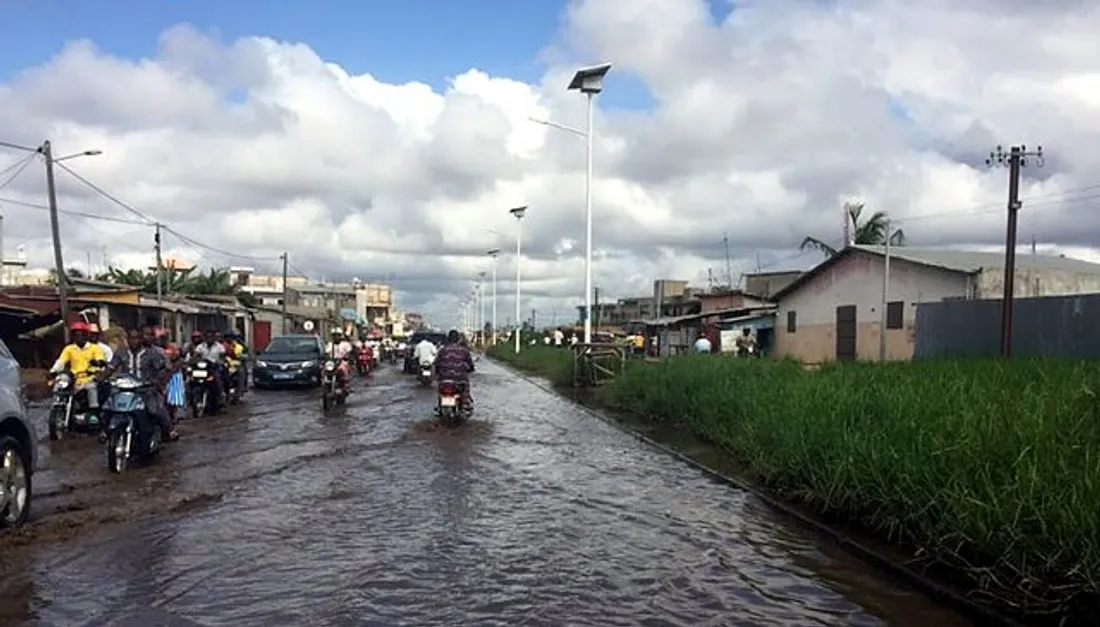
261, 334
846, 333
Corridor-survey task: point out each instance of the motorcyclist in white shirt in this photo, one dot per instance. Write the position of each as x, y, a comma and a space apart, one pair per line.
425, 352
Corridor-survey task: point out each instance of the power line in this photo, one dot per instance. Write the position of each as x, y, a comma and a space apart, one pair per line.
18, 168
90, 216
190, 240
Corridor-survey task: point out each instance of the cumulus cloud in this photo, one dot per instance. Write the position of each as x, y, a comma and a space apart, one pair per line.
767, 116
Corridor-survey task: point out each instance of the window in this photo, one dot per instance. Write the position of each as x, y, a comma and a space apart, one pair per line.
792, 321
895, 314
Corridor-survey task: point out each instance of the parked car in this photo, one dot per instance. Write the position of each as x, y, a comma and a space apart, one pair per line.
18, 444
289, 361
410, 366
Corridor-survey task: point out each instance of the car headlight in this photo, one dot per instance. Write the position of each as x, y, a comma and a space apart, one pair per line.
308, 364
261, 364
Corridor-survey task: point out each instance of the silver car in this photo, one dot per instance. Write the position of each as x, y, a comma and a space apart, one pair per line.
18, 445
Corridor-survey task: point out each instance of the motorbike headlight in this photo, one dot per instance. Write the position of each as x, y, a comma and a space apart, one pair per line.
202, 365
330, 365
308, 364
62, 382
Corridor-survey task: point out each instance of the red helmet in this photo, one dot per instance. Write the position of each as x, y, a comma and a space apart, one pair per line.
79, 326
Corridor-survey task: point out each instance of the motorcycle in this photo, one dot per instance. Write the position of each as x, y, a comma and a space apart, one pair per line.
332, 391
425, 374
133, 432
450, 408
202, 388
234, 393
69, 409
364, 360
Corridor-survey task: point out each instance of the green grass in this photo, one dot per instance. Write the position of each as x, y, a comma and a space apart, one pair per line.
556, 364
990, 467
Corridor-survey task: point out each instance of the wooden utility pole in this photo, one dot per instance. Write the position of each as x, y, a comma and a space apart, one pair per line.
284, 299
46, 150
160, 264
1015, 158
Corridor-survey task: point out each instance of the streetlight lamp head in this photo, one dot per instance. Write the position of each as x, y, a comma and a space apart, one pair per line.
92, 153
589, 80
518, 212
494, 252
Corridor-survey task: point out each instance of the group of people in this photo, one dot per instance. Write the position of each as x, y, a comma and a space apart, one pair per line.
150, 355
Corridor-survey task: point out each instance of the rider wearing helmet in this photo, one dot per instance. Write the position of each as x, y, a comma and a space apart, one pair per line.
455, 363
83, 359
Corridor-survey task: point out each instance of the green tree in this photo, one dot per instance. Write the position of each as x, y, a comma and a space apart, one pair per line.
218, 282
871, 232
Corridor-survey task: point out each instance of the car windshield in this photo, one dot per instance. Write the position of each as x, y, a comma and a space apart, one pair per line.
293, 345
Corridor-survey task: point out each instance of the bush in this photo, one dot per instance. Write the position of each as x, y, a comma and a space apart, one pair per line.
991, 467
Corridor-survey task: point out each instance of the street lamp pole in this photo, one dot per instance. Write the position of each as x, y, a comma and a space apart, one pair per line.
481, 307
589, 81
493, 254
518, 213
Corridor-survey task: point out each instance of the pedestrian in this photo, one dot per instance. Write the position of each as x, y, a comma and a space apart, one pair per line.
175, 392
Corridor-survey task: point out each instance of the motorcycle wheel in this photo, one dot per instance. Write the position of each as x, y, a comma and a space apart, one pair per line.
57, 414
117, 459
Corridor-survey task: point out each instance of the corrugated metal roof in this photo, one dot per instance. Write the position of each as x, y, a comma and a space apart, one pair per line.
970, 261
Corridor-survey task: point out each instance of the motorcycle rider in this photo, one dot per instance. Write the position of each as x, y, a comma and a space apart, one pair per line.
83, 359
146, 361
235, 355
93, 336
188, 350
339, 349
211, 349
454, 362
425, 352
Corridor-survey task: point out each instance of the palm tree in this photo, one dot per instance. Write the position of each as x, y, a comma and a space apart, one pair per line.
869, 233
217, 283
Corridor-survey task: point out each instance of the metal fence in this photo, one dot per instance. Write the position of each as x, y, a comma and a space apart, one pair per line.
1065, 326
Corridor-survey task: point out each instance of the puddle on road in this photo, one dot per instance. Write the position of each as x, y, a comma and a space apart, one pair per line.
431, 427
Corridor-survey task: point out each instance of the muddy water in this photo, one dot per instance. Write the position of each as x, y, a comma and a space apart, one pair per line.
537, 514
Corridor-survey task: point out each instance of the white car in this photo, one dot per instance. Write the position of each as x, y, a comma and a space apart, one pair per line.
18, 444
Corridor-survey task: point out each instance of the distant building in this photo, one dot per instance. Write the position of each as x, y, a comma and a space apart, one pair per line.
833, 312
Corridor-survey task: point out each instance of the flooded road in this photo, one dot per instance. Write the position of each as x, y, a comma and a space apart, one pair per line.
535, 514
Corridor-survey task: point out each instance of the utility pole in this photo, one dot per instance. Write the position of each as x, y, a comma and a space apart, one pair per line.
1015, 158
160, 264
729, 267
285, 264
46, 150
884, 319
532, 319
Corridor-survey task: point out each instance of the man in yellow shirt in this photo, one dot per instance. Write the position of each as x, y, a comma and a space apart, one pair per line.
83, 359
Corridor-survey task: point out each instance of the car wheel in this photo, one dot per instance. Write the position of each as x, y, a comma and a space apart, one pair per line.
15, 483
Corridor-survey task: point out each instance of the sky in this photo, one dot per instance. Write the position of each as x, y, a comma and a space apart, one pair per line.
387, 141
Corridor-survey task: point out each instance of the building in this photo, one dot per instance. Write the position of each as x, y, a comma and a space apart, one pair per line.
767, 284
371, 302
833, 311
724, 300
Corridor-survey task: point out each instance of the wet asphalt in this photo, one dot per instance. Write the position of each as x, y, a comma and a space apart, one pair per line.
535, 513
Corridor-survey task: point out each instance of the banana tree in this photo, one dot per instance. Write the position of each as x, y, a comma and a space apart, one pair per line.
871, 232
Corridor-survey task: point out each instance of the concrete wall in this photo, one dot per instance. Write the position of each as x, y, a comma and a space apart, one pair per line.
857, 280
1030, 282
727, 300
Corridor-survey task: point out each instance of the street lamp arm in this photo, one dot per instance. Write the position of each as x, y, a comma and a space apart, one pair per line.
86, 153
562, 127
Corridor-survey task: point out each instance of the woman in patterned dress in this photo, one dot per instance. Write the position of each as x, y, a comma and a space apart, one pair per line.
175, 392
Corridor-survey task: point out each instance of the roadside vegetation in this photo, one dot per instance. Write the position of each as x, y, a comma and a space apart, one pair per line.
989, 467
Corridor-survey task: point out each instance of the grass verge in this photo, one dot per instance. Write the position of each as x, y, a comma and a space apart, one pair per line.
991, 468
